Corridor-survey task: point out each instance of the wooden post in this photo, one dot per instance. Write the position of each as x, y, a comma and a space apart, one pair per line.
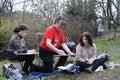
37, 36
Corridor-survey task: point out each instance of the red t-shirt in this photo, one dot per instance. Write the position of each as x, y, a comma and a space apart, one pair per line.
57, 38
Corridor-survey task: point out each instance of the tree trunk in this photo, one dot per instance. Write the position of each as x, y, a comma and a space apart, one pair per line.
118, 11
109, 13
0, 18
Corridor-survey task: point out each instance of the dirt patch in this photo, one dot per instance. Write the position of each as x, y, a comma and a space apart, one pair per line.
104, 75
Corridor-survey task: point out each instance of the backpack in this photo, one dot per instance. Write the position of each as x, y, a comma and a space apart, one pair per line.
71, 45
105, 56
10, 71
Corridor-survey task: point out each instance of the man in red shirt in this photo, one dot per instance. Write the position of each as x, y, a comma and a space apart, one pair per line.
53, 43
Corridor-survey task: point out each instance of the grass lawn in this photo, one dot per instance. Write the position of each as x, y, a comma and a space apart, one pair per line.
104, 45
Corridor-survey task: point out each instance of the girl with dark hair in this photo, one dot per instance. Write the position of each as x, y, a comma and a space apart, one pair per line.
22, 27
86, 54
17, 45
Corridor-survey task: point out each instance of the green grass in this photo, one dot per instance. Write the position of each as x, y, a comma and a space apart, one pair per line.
104, 45
101, 43
109, 46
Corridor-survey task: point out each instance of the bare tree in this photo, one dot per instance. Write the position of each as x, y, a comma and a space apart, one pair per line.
109, 13
47, 9
81, 17
6, 7
118, 11
111, 18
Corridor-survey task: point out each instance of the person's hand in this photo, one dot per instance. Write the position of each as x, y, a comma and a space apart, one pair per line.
89, 61
31, 51
15, 52
61, 52
71, 53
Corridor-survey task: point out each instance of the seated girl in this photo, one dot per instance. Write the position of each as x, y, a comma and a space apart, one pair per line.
86, 54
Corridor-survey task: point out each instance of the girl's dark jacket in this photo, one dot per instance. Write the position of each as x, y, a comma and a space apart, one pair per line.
16, 43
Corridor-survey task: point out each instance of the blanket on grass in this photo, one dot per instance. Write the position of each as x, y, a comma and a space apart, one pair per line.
36, 75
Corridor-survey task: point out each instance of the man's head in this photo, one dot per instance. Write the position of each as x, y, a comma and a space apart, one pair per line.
60, 22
